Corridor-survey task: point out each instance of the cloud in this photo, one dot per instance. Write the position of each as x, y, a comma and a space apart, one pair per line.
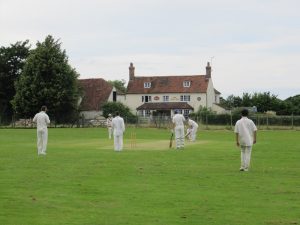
254, 43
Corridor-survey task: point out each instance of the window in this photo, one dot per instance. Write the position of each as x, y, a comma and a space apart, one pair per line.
147, 85
186, 112
165, 98
146, 98
186, 83
178, 111
185, 98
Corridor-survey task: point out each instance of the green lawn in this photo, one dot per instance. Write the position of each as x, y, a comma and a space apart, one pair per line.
83, 181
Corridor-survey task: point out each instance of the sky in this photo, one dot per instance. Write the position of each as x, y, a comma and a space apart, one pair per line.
253, 46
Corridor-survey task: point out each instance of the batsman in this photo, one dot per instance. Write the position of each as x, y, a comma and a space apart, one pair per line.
193, 128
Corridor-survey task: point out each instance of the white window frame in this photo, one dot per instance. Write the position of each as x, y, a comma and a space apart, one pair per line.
185, 98
166, 98
186, 83
147, 112
144, 97
147, 84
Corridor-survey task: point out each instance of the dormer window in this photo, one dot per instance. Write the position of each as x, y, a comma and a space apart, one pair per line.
186, 83
147, 85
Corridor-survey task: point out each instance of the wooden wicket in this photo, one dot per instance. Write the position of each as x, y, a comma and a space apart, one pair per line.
132, 140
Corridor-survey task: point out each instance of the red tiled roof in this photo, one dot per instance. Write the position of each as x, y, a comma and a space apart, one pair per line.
164, 106
95, 93
168, 84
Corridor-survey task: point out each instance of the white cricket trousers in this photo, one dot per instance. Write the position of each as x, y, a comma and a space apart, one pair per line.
194, 134
109, 132
245, 156
179, 136
42, 140
118, 142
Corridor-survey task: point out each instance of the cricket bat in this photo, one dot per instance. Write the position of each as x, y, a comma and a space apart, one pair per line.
171, 141
188, 134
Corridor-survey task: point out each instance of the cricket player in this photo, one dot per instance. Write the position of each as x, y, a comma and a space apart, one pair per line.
193, 126
118, 127
178, 122
188, 134
245, 132
109, 124
42, 120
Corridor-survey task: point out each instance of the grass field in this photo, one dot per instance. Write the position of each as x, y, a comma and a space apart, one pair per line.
83, 181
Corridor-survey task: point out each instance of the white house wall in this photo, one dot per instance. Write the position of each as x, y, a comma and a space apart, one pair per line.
135, 100
122, 99
110, 98
90, 115
218, 109
210, 94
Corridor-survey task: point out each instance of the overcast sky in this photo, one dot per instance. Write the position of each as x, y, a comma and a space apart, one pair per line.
253, 46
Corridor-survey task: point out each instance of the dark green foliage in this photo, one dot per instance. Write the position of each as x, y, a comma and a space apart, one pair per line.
119, 85
47, 79
202, 113
291, 105
12, 60
112, 107
231, 102
264, 102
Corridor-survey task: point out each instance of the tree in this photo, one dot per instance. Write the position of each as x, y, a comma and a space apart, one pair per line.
205, 111
232, 102
12, 60
247, 100
111, 107
265, 101
291, 106
47, 79
228, 102
119, 85
224, 103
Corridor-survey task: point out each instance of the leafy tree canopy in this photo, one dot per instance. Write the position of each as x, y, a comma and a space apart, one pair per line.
112, 107
264, 102
12, 60
47, 79
119, 85
292, 105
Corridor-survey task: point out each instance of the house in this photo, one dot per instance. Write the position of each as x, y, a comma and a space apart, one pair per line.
161, 95
95, 92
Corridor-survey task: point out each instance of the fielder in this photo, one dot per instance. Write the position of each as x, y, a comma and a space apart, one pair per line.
178, 121
109, 124
118, 127
245, 131
42, 120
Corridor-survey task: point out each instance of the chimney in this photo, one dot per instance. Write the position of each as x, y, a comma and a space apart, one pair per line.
131, 72
208, 71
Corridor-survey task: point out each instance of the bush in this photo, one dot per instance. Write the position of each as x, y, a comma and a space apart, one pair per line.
112, 107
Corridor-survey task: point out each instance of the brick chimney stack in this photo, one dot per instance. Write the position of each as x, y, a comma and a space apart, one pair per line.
208, 71
131, 72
